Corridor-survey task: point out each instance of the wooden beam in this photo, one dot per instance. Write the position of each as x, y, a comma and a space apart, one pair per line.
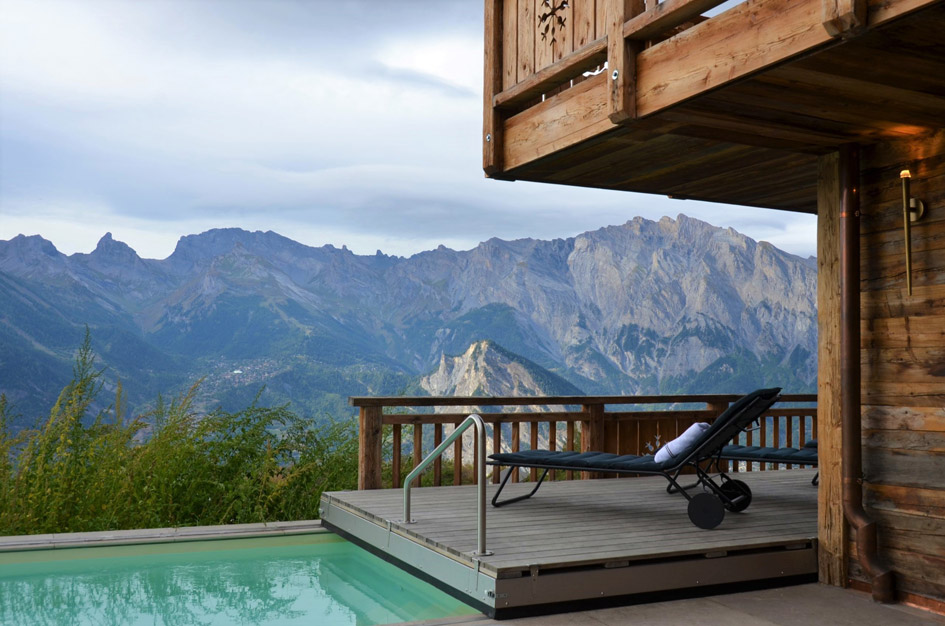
621, 60
746, 39
509, 43
369, 447
832, 529
664, 16
558, 123
391, 401
592, 433
492, 85
417, 450
457, 458
844, 18
438, 463
396, 455
882, 11
587, 58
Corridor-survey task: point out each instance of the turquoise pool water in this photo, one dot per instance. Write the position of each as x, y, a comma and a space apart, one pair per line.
316, 580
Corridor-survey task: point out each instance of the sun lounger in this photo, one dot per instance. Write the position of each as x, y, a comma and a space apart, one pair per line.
789, 456
707, 508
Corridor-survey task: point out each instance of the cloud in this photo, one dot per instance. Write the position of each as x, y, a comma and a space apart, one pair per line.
351, 123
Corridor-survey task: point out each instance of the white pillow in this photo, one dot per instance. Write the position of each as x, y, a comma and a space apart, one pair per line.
681, 443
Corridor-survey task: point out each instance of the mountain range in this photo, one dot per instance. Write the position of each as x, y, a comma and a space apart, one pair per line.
671, 306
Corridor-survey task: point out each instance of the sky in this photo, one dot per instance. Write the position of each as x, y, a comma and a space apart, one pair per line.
344, 122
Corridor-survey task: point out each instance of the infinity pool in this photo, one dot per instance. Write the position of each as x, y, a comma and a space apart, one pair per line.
315, 579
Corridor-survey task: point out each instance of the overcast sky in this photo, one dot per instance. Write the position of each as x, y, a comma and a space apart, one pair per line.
342, 122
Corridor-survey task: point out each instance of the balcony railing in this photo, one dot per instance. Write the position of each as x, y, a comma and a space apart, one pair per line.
618, 424
545, 83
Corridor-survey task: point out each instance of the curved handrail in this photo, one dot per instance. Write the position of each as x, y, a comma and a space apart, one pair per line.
472, 420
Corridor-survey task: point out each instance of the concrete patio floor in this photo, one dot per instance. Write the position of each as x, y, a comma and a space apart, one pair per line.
801, 605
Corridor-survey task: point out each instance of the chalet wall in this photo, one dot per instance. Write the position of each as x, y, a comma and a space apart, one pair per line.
903, 363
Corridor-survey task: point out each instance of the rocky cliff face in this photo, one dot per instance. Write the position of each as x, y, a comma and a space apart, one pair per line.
646, 307
487, 369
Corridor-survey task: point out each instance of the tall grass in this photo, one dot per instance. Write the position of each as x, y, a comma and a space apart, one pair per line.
173, 467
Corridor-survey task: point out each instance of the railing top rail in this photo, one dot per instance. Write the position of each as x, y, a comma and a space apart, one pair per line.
426, 401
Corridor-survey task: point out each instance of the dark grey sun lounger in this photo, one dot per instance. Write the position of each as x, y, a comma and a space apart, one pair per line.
790, 456
706, 508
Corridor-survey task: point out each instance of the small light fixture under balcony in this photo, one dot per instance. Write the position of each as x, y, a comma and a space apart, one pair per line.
912, 210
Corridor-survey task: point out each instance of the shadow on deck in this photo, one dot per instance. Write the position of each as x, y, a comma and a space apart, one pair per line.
581, 541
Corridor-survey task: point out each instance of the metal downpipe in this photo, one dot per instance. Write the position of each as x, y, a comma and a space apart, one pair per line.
863, 527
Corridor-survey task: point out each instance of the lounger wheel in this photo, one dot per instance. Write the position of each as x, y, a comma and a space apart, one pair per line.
738, 492
706, 511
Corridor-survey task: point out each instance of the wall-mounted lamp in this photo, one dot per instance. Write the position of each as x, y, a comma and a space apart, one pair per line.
912, 210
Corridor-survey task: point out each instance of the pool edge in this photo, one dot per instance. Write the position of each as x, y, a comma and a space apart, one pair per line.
18, 543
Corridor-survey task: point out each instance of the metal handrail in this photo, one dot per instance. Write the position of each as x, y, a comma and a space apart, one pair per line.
472, 420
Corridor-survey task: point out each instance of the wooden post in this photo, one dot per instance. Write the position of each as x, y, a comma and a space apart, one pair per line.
396, 455
569, 445
496, 448
621, 60
516, 444
417, 450
492, 86
552, 442
844, 18
369, 447
832, 529
717, 409
533, 444
592, 433
438, 463
457, 458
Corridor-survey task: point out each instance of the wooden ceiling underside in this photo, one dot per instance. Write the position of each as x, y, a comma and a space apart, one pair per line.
756, 142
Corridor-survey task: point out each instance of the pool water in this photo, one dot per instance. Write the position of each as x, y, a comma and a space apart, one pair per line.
317, 579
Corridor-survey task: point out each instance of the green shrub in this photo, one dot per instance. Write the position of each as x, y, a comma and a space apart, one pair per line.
172, 467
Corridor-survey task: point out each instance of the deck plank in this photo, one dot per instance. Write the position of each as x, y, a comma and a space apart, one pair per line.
576, 523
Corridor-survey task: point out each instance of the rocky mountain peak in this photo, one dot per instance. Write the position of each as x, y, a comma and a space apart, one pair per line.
668, 306
24, 245
488, 369
31, 256
109, 250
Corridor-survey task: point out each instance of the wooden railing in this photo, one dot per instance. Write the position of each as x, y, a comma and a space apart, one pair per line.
583, 423
538, 48
656, 53
547, 44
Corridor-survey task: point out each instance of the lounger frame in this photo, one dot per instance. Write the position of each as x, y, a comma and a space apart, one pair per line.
786, 460
719, 493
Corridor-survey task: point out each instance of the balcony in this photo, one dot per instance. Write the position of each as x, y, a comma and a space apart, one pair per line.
686, 99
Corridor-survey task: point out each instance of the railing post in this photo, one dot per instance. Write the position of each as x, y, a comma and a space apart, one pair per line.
496, 447
370, 424
592, 432
516, 445
438, 464
457, 458
844, 18
492, 78
396, 456
417, 448
569, 446
622, 60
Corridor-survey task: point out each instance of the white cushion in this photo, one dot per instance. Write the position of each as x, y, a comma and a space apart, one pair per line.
682, 443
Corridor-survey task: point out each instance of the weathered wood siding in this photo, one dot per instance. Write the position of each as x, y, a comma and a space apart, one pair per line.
903, 361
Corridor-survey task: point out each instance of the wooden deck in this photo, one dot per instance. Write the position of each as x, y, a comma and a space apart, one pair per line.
583, 540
